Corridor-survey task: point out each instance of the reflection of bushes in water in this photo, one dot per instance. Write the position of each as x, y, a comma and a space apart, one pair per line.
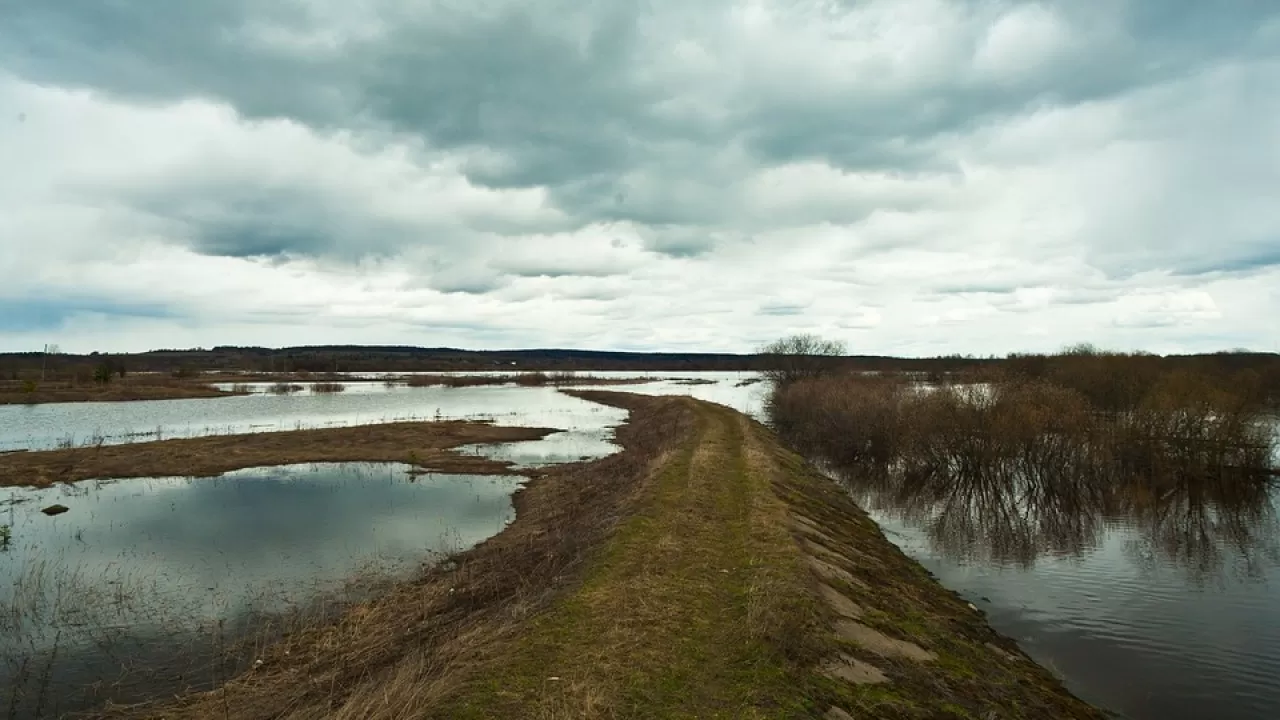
1207, 524
326, 388
284, 388
71, 639
1016, 467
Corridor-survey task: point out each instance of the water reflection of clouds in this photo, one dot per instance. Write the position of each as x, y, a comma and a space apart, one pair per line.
284, 530
45, 426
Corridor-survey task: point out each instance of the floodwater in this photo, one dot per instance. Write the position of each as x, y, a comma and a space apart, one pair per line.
162, 571
165, 574
41, 427
1152, 606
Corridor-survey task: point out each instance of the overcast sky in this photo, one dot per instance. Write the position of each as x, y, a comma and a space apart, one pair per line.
914, 177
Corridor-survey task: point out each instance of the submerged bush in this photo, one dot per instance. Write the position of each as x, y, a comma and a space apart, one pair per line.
1039, 454
1036, 430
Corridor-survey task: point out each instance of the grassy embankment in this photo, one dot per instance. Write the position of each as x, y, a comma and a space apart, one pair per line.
427, 445
703, 572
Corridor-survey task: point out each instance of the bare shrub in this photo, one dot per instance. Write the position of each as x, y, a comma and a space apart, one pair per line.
800, 357
1184, 424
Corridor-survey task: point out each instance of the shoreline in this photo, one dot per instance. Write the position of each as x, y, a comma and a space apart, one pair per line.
702, 571
426, 445
114, 393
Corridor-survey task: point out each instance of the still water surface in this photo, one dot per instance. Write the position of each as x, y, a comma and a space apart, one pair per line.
39, 427
1167, 608
139, 569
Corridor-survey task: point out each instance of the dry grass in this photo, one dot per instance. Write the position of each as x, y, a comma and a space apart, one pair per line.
141, 387
690, 609
1183, 426
428, 445
529, 379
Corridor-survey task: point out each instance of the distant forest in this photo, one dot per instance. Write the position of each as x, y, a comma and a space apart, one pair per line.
351, 358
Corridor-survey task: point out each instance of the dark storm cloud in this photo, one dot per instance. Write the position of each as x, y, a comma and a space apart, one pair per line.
559, 90
219, 216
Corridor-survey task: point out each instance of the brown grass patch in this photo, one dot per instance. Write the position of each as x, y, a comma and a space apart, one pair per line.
143, 387
529, 379
428, 445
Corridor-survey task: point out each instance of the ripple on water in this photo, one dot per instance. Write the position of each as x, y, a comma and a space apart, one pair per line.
1142, 626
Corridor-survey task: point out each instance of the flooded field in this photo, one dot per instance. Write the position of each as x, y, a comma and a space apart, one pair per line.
1152, 607
42, 427
153, 585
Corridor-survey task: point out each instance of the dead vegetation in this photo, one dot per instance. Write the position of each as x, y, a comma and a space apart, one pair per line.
528, 379
140, 387
1040, 460
1180, 425
678, 578
428, 445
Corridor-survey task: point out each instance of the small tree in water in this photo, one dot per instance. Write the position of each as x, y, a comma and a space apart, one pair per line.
798, 357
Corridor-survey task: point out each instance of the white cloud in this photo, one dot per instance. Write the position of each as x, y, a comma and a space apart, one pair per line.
911, 176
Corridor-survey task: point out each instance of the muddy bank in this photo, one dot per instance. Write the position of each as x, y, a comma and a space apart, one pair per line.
704, 571
428, 445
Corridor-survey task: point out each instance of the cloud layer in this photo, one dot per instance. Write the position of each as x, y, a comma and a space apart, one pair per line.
911, 176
